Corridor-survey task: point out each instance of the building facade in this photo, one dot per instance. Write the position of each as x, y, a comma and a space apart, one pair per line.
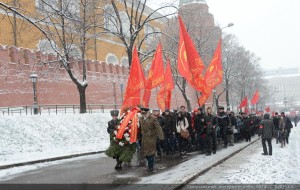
107, 77
100, 18
284, 88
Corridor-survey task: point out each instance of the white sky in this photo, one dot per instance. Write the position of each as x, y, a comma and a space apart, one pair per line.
268, 28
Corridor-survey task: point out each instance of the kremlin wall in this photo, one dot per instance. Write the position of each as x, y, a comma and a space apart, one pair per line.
54, 86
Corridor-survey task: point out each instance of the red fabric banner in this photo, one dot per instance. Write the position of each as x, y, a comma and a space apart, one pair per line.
190, 64
214, 72
135, 83
268, 109
255, 98
213, 76
244, 102
155, 75
165, 92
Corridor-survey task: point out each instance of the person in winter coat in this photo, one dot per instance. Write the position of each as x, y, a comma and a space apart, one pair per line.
112, 124
210, 133
150, 131
288, 126
169, 132
247, 127
182, 124
267, 131
191, 140
161, 120
198, 126
276, 119
233, 123
223, 121
282, 131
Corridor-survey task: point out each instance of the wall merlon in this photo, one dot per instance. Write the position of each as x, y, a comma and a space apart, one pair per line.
12, 54
88, 65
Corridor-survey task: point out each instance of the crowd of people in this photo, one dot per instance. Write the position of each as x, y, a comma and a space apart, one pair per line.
177, 132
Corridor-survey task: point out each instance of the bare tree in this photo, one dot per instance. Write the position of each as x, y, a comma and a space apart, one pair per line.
65, 24
129, 19
200, 26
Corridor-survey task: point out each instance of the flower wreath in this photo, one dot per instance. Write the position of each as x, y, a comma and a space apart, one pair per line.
123, 143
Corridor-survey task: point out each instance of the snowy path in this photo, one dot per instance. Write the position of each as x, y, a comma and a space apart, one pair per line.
249, 166
184, 171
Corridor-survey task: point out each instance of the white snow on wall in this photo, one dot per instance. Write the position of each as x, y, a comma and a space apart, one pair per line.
28, 138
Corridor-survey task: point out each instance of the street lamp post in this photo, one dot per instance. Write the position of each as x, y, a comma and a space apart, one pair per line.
121, 89
33, 78
215, 109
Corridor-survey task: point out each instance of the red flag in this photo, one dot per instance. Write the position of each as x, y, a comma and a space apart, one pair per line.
214, 72
268, 109
165, 92
190, 64
255, 98
204, 96
244, 102
213, 75
155, 76
169, 84
246, 109
135, 83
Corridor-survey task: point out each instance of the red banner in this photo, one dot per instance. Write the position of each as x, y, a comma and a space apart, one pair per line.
244, 102
214, 72
155, 75
213, 75
268, 109
165, 92
135, 83
190, 64
255, 98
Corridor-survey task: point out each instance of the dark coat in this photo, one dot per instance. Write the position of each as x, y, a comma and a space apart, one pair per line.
150, 130
208, 127
199, 122
222, 120
276, 122
170, 125
288, 124
267, 129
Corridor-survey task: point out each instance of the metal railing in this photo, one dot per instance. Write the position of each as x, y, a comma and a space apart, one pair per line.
57, 109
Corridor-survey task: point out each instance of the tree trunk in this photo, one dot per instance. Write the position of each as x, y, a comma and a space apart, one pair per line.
188, 102
227, 96
217, 103
81, 90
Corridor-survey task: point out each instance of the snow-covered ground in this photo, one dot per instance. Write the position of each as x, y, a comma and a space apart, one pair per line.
36, 137
246, 167
188, 169
28, 138
249, 166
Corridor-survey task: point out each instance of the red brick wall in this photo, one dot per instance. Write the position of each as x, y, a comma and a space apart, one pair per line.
54, 86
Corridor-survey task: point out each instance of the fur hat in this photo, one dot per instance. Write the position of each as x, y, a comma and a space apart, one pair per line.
114, 112
144, 109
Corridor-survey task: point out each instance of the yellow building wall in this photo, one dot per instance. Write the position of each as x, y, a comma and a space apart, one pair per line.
28, 36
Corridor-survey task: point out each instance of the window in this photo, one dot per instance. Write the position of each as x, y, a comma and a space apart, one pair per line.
125, 23
46, 46
151, 36
73, 51
71, 8
125, 62
112, 59
110, 18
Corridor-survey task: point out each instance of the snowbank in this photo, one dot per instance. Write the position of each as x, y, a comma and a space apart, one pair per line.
28, 138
